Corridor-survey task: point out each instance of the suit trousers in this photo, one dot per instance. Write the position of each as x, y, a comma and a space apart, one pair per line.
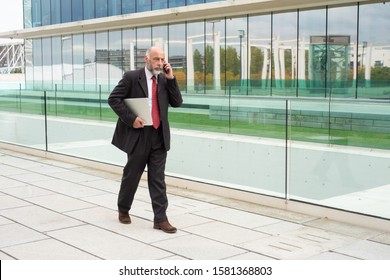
149, 151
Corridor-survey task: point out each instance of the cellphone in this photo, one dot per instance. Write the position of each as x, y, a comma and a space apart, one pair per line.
165, 70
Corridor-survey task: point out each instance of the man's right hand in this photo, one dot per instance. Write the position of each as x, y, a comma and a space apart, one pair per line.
138, 123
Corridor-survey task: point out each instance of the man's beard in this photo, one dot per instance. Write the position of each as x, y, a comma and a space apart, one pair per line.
155, 71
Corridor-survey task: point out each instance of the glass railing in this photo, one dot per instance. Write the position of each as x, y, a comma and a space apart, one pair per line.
329, 151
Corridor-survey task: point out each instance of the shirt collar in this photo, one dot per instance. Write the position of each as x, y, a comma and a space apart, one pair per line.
148, 74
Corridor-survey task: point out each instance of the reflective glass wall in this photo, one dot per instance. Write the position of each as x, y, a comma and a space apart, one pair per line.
47, 12
323, 52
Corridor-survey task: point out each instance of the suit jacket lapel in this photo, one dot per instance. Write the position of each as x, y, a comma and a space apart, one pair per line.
142, 82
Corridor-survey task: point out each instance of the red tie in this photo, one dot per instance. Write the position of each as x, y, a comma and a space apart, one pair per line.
155, 111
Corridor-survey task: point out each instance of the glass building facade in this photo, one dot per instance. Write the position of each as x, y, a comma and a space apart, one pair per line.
314, 52
291, 103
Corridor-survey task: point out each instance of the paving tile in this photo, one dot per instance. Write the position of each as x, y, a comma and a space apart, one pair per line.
367, 250
236, 217
4, 256
29, 177
225, 233
68, 188
198, 248
74, 176
49, 249
106, 185
187, 220
59, 203
4, 221
39, 218
26, 191
382, 238
279, 228
108, 200
343, 228
9, 202
282, 248
250, 256
331, 256
7, 170
12, 234
139, 229
108, 245
6, 183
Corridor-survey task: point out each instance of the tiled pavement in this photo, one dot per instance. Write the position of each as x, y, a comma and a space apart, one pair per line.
52, 210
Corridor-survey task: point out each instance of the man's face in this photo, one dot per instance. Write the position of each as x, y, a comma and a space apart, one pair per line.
155, 61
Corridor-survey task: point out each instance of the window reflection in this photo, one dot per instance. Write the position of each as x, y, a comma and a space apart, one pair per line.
47, 64
177, 53
284, 54
260, 54
195, 60
90, 62
128, 46
311, 53
56, 44
373, 58
144, 36
237, 55
115, 57
37, 62
102, 60
78, 62
67, 64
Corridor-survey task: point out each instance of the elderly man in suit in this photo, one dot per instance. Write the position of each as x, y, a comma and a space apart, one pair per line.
145, 145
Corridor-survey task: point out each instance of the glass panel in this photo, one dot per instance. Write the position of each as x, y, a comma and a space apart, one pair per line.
192, 2
27, 13
57, 62
36, 13
144, 36
46, 12
55, 11
67, 64
160, 38
115, 57
90, 62
22, 129
66, 11
177, 54
78, 62
213, 58
77, 10
128, 49
348, 178
176, 3
28, 56
162, 4
373, 51
114, 7
312, 53
89, 9
195, 57
47, 64
128, 7
144, 5
237, 55
259, 63
342, 43
101, 8
102, 60
284, 54
37, 63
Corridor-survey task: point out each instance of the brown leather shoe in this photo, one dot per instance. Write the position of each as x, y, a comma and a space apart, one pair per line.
124, 218
165, 226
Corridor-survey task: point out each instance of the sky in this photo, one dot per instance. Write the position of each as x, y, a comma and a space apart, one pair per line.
11, 15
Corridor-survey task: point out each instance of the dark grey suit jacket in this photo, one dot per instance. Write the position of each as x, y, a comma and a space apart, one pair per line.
134, 85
